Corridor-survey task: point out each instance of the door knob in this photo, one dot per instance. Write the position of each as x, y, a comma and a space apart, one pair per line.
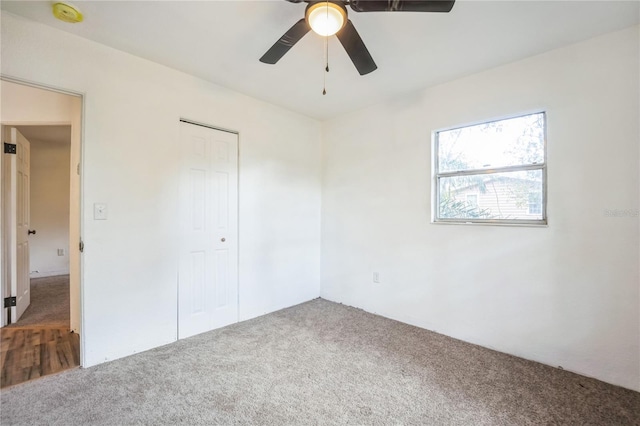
223, 239
31, 231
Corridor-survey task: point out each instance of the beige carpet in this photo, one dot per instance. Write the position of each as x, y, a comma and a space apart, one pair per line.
49, 303
319, 363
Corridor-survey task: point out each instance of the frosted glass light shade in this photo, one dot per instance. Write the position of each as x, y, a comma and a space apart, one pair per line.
326, 18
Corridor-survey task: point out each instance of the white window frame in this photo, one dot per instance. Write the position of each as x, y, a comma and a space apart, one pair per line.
437, 175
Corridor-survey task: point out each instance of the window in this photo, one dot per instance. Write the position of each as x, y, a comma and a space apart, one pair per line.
535, 203
494, 172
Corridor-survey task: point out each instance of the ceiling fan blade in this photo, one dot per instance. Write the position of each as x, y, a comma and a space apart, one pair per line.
402, 5
286, 42
356, 49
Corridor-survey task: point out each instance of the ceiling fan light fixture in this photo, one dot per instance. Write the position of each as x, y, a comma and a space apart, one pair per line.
326, 18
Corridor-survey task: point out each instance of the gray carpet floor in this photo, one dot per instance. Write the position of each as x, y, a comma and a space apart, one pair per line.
49, 303
319, 363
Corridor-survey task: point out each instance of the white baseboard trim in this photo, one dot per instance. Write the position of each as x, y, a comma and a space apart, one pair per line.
48, 274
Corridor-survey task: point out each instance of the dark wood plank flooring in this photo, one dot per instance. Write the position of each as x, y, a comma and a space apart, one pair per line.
27, 353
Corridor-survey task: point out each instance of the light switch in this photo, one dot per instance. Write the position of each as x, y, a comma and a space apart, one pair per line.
99, 211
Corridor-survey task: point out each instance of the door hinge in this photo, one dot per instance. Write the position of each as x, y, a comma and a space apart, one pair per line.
10, 148
10, 301
81, 246
78, 169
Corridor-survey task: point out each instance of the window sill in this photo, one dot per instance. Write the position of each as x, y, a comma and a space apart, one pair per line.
509, 224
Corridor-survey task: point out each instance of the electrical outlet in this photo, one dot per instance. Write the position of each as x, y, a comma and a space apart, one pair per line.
60, 252
99, 211
376, 277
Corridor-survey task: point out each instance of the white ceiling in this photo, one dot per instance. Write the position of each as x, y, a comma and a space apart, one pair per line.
47, 134
221, 41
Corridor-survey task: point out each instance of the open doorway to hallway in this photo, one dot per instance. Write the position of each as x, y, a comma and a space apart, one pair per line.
40, 233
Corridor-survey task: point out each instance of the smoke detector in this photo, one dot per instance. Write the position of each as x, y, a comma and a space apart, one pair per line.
67, 12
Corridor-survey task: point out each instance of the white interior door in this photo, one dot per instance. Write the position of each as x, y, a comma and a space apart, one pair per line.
20, 283
5, 214
208, 260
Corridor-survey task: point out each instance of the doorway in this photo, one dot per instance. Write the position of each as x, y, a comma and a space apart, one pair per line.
40, 216
43, 157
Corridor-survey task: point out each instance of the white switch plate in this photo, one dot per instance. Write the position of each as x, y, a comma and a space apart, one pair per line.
60, 252
100, 211
376, 277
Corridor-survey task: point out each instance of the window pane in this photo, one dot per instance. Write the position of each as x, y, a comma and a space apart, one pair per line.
535, 202
472, 200
511, 142
514, 195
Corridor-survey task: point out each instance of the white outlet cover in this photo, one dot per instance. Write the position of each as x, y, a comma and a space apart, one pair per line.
100, 211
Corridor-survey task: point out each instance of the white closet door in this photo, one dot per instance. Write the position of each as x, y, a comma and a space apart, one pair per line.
208, 260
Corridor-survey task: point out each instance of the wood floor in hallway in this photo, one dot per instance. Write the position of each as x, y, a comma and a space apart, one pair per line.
29, 353
40, 342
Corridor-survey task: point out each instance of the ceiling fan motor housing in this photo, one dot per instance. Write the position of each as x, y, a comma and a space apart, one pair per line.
317, 3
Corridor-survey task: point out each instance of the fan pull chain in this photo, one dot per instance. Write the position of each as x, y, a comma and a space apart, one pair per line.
324, 74
326, 58
326, 69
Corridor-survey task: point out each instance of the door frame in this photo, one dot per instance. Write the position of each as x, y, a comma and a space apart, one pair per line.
76, 214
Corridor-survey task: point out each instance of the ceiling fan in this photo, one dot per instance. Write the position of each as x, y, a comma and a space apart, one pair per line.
329, 17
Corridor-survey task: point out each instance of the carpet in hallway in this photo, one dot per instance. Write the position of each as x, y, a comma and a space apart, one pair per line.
49, 303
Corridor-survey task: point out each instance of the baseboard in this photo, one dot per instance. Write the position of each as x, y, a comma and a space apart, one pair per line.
274, 308
48, 274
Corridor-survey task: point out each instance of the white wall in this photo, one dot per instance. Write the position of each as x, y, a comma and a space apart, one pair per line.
565, 295
49, 208
132, 107
26, 105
